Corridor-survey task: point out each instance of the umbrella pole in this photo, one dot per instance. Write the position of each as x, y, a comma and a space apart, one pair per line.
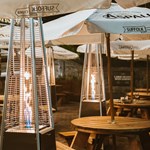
147, 70
110, 77
131, 82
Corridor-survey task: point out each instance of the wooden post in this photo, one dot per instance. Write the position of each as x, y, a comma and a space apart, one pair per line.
131, 82
110, 78
147, 72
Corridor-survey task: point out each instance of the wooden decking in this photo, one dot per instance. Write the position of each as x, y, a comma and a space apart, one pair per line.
68, 135
61, 146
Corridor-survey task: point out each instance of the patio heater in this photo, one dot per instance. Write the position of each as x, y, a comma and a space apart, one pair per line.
27, 121
92, 90
51, 75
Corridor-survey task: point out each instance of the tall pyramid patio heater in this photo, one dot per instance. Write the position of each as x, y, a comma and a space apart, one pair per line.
92, 89
27, 122
51, 75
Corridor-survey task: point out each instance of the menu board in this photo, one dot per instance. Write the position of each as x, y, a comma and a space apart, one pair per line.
121, 78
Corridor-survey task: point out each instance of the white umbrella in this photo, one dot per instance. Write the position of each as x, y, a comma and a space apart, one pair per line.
5, 36
131, 3
122, 49
59, 53
117, 20
56, 34
71, 29
79, 27
38, 8
64, 54
66, 26
82, 48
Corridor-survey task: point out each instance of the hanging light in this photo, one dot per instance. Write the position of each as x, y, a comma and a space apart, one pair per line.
92, 90
27, 115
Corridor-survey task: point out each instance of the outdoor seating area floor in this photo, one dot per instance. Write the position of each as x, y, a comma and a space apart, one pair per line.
63, 117
70, 111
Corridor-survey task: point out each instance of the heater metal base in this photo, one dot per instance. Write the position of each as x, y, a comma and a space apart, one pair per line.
27, 141
91, 109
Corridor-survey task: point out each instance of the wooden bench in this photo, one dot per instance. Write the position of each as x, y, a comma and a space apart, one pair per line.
61, 146
68, 135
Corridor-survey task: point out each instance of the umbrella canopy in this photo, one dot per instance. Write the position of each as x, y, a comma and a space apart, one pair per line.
62, 53
66, 26
117, 20
81, 27
59, 53
38, 8
5, 36
131, 3
74, 27
122, 49
82, 48
54, 34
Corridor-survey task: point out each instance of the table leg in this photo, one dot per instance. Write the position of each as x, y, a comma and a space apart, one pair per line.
145, 140
133, 112
139, 142
80, 141
134, 142
145, 113
97, 144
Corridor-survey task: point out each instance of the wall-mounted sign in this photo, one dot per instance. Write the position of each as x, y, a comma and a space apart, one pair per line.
121, 78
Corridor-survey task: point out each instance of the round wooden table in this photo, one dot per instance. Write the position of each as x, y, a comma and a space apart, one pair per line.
101, 126
143, 105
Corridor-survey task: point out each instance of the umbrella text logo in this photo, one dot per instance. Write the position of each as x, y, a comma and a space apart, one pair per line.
125, 15
135, 29
37, 10
40, 9
22, 12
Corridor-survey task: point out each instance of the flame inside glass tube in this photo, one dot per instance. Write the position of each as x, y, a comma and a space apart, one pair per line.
27, 75
93, 81
27, 104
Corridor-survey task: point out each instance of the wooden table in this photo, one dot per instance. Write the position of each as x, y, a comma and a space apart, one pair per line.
141, 90
142, 105
142, 95
101, 126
